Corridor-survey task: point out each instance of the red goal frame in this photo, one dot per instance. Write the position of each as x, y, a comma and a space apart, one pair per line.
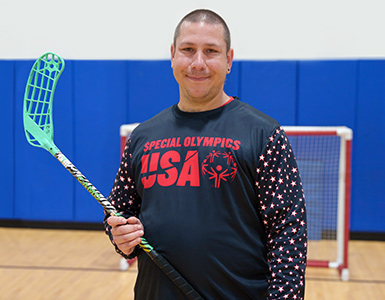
344, 191
344, 186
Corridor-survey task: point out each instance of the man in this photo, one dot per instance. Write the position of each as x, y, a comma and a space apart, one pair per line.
212, 184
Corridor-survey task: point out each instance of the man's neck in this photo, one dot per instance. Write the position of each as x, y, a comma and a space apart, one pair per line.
191, 105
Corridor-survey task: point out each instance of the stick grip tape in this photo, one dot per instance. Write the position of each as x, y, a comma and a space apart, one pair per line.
178, 280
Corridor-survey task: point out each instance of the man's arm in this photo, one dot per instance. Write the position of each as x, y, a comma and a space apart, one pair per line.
282, 207
125, 232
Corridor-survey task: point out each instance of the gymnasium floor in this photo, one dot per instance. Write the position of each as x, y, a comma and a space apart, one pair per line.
38, 264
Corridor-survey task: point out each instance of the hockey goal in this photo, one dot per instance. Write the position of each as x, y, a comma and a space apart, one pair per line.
324, 160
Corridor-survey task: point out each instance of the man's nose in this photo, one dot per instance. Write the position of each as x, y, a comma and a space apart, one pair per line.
199, 61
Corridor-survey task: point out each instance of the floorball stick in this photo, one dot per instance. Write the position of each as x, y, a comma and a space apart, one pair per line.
38, 126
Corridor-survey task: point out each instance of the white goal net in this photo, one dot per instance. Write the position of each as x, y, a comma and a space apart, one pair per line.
324, 160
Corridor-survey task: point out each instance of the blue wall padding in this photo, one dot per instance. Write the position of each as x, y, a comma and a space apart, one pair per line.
7, 170
327, 92
232, 83
151, 88
270, 86
93, 98
369, 149
99, 105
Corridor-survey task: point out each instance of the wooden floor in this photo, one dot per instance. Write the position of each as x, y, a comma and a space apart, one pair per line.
69, 265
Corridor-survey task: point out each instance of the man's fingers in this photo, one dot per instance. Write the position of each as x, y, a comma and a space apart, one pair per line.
133, 237
128, 246
114, 221
130, 228
135, 221
127, 241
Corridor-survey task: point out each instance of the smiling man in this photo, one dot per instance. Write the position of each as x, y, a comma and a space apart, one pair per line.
201, 59
212, 183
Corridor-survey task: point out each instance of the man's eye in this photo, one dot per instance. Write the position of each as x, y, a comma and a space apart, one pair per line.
188, 49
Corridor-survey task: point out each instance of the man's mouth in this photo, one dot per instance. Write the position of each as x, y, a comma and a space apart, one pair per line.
197, 77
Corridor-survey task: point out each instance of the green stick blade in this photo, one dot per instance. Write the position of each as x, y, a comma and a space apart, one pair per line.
38, 98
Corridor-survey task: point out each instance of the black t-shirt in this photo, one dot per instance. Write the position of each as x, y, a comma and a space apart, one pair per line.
206, 187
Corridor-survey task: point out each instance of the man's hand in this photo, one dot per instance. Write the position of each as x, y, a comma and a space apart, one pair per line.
127, 233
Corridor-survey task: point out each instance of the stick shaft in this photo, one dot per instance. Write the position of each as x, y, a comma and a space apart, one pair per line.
159, 260
85, 183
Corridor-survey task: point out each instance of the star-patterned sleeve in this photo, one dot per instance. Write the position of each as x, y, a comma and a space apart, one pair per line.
282, 207
124, 195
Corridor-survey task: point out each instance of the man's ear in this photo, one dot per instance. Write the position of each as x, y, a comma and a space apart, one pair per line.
172, 50
230, 57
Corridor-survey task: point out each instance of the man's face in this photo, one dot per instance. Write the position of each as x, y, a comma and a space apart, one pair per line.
200, 61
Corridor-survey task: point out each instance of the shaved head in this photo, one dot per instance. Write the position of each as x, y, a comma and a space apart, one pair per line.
205, 16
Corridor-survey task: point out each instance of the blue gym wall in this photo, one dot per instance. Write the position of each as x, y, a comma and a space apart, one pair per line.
93, 98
